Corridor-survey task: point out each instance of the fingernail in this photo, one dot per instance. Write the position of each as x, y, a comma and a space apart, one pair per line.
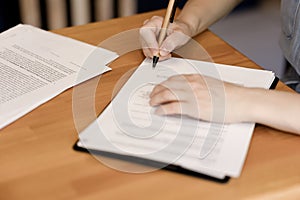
155, 52
163, 53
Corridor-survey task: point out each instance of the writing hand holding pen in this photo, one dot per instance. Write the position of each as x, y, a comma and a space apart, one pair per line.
177, 34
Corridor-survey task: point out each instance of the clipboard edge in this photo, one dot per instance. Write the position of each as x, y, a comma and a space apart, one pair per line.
151, 163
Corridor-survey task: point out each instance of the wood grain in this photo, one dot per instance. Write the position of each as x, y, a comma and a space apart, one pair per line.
38, 162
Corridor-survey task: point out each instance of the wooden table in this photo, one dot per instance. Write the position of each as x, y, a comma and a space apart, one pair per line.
38, 162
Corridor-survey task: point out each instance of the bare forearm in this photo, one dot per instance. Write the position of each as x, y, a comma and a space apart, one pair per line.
280, 110
200, 14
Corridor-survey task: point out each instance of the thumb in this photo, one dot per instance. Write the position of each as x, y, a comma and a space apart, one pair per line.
173, 41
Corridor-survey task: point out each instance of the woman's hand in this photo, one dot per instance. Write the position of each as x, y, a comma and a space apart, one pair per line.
201, 97
178, 34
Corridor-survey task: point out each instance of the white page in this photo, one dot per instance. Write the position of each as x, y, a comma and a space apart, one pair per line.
128, 125
37, 65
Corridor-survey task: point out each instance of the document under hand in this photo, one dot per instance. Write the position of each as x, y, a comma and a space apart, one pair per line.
129, 127
37, 65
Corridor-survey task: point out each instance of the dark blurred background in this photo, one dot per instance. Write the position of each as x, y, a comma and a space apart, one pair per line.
10, 10
9, 14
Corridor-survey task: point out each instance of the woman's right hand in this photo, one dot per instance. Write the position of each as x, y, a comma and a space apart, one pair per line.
178, 34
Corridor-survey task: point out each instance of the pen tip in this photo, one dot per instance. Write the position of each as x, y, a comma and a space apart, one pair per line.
155, 60
153, 65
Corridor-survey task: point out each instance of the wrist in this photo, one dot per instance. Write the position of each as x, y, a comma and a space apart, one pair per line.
254, 104
189, 28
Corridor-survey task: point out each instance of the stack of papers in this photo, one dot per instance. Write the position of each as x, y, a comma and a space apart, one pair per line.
128, 126
37, 65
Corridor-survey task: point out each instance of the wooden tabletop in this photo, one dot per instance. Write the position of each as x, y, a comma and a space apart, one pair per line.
38, 161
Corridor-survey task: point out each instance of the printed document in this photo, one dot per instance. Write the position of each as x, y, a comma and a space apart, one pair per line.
37, 65
128, 126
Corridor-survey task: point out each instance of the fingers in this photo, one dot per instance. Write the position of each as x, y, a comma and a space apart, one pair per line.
149, 33
180, 94
169, 109
174, 40
148, 52
170, 84
171, 102
178, 108
168, 95
148, 42
169, 91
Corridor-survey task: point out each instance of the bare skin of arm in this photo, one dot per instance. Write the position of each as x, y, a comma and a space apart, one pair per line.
200, 14
209, 99
195, 17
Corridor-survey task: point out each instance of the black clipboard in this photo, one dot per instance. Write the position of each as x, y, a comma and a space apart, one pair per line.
274, 83
152, 163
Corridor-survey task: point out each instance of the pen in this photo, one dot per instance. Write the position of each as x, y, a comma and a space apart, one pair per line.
169, 18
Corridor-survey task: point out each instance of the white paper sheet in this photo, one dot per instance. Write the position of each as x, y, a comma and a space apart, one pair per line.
129, 127
36, 65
